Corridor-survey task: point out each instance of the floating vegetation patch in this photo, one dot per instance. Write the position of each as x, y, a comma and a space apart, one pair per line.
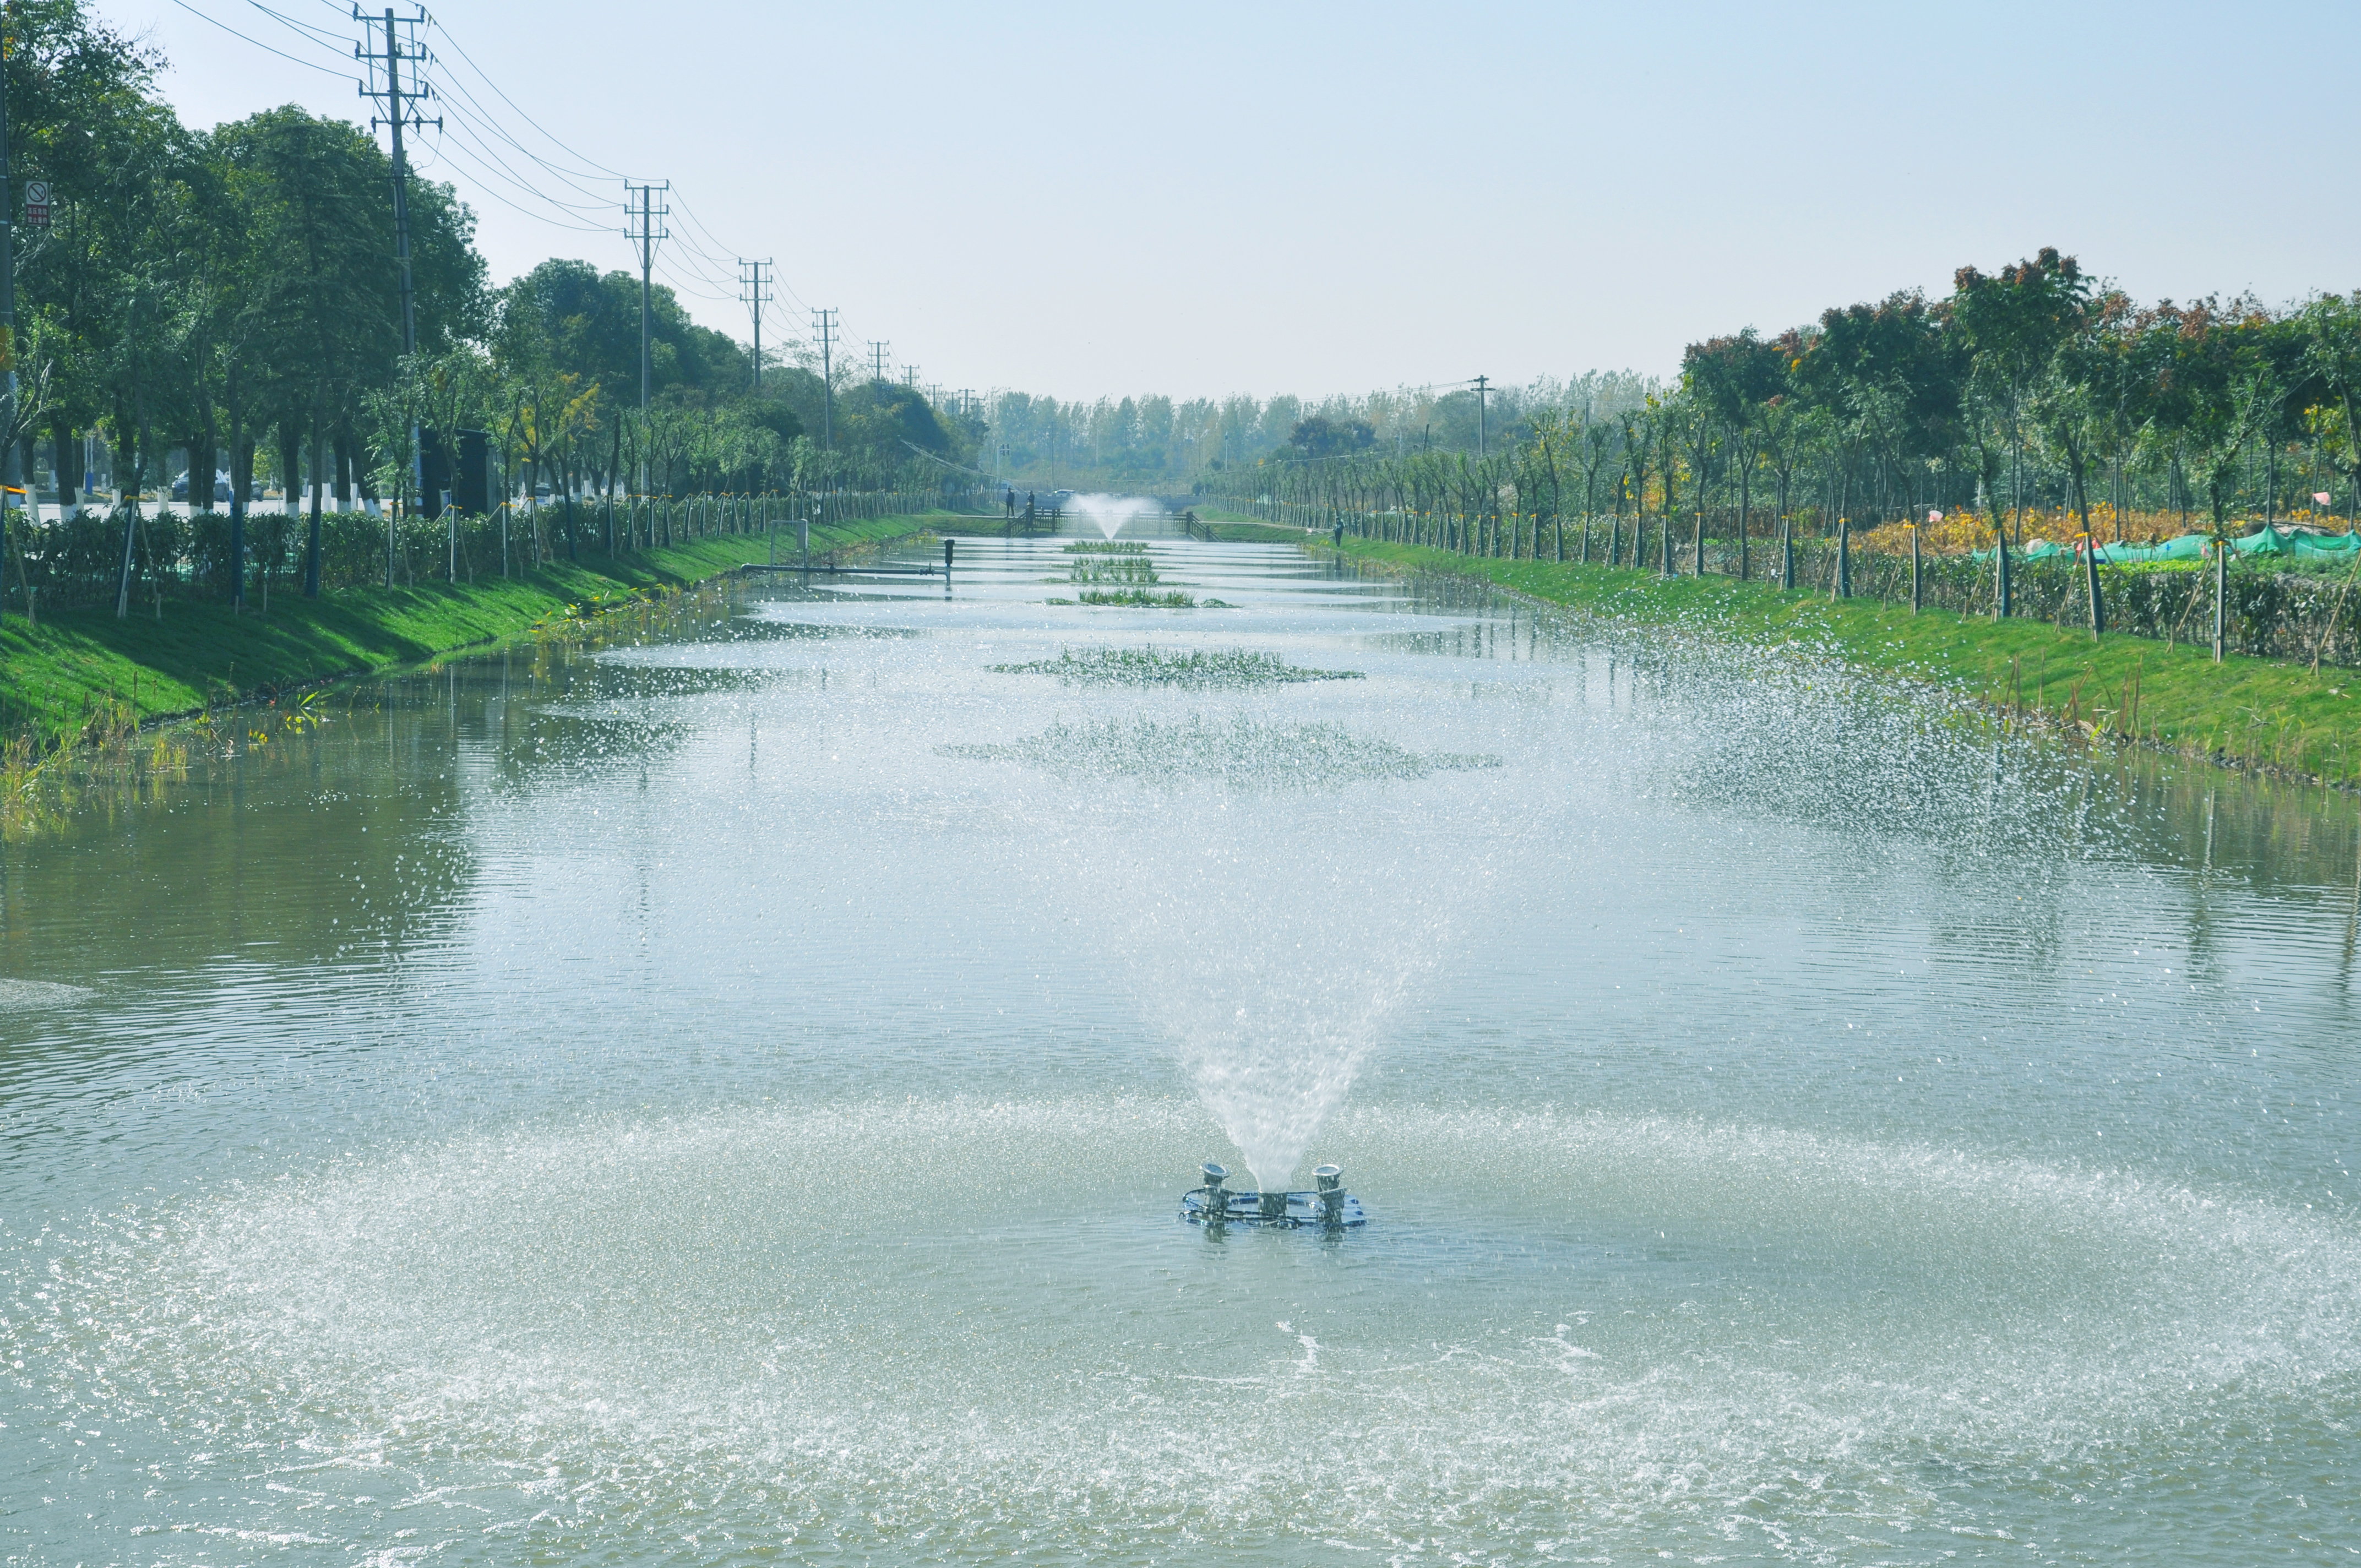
1139, 598
1128, 571
1198, 670
1242, 751
1106, 547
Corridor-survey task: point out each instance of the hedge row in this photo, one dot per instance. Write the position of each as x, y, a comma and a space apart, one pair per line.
78, 562
2271, 614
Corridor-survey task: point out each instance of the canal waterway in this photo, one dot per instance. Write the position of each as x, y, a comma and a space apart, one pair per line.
724, 1096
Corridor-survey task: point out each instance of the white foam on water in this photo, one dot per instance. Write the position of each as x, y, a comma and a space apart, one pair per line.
945, 1330
25, 995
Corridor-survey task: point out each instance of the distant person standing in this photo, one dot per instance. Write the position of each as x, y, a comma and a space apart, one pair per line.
1029, 511
1008, 501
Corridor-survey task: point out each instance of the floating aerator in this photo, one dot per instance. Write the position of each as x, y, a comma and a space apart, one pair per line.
1330, 1206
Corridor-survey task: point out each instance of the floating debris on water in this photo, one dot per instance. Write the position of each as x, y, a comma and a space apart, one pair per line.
1242, 750
1197, 670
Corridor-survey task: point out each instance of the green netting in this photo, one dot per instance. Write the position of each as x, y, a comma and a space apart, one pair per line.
2198, 546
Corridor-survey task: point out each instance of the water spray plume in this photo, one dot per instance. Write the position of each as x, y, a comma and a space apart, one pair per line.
1110, 512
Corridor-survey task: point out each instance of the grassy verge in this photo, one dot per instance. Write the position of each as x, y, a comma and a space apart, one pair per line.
85, 666
2259, 714
1239, 528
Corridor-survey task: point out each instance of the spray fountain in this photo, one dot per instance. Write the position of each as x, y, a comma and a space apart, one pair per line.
1110, 512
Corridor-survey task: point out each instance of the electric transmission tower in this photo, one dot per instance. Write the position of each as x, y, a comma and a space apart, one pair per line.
754, 292
877, 348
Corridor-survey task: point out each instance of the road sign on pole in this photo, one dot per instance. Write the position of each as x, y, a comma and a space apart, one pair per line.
37, 204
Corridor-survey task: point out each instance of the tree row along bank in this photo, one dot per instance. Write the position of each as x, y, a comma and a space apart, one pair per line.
2262, 715
83, 673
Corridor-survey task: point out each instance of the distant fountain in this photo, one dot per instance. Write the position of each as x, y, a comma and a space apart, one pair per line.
1110, 512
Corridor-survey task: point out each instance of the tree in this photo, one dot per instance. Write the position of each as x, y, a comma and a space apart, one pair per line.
1317, 435
2331, 326
2072, 406
456, 391
1551, 430
320, 277
2012, 325
1736, 379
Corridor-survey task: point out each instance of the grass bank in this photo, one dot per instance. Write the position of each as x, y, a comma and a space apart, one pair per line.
1239, 528
2258, 714
81, 670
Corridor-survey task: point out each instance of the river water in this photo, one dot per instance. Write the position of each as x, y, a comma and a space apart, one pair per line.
724, 1097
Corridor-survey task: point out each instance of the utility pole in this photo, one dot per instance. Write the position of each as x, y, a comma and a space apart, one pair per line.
1483, 386
877, 348
826, 324
754, 292
645, 235
397, 118
394, 54
910, 377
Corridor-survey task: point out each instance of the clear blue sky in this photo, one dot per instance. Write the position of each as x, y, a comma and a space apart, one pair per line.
1093, 199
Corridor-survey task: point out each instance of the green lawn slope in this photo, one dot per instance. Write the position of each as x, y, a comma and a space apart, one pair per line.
2261, 714
1239, 528
57, 677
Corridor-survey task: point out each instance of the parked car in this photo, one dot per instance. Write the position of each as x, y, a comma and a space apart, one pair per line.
221, 486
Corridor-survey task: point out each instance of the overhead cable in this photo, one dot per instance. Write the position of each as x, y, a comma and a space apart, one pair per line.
224, 27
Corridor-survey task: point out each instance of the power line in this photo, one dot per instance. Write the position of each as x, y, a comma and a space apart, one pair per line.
475, 135
512, 103
516, 206
463, 128
320, 35
479, 123
258, 43
467, 127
